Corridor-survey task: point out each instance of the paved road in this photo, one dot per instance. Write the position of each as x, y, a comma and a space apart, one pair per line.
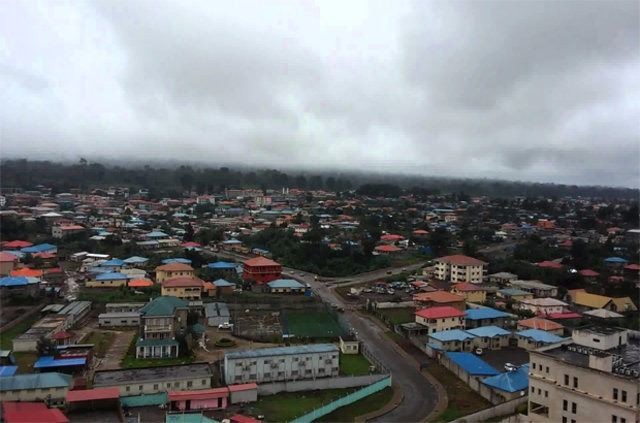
420, 396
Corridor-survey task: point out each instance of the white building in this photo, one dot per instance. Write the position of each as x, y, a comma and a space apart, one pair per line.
282, 363
459, 268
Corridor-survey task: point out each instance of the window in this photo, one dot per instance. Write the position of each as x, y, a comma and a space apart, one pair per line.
614, 419
573, 421
615, 393
623, 420
565, 404
139, 387
539, 391
575, 382
204, 381
533, 365
546, 394
155, 386
566, 379
574, 408
564, 419
533, 390
128, 388
189, 384
547, 370
624, 396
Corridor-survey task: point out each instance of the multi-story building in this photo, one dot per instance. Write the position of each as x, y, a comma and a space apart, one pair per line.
592, 377
173, 270
282, 363
161, 320
439, 298
438, 319
49, 386
185, 287
471, 292
460, 268
542, 306
537, 288
261, 270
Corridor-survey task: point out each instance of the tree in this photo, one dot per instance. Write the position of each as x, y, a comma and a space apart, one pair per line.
45, 347
188, 233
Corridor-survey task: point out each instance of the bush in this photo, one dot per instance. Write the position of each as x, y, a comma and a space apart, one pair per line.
225, 343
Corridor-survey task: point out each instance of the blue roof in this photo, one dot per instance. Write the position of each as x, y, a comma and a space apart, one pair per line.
8, 370
517, 380
13, 281
293, 350
136, 260
615, 260
471, 363
115, 262
285, 283
484, 313
221, 283
222, 265
156, 234
488, 331
40, 248
176, 260
451, 335
539, 335
50, 361
232, 241
34, 381
112, 276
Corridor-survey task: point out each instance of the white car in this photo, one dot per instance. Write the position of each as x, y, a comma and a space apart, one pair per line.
225, 326
510, 367
479, 351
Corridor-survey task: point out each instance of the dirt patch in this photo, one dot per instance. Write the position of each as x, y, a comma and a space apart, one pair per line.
117, 350
263, 326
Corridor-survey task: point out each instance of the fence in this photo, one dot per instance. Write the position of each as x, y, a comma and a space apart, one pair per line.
346, 400
504, 409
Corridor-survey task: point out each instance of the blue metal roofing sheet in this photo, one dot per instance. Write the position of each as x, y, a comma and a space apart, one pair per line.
176, 260
488, 331
50, 361
539, 335
111, 276
34, 381
517, 380
222, 265
451, 335
485, 313
471, 363
285, 283
8, 370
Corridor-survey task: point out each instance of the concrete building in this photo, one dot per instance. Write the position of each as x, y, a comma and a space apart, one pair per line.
153, 380
116, 319
61, 231
36, 387
282, 363
173, 270
541, 324
217, 314
160, 321
531, 339
542, 306
472, 293
261, 270
502, 278
460, 268
486, 316
349, 344
438, 319
43, 328
7, 263
537, 288
439, 298
185, 287
286, 286
592, 377
123, 307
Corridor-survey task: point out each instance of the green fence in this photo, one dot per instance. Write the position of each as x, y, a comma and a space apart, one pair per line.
346, 400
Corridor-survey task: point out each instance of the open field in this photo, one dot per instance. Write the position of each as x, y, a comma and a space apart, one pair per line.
101, 341
312, 324
354, 365
366, 405
6, 337
286, 406
398, 316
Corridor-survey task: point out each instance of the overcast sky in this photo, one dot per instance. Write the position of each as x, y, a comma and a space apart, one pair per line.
543, 91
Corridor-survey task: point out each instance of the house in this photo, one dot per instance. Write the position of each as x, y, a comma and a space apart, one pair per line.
486, 316
185, 287
51, 387
224, 287
582, 301
507, 385
387, 249
460, 268
542, 306
589, 275
202, 399
43, 328
156, 379
349, 344
278, 364
531, 339
449, 340
108, 280
502, 278
173, 270
261, 270
61, 231
119, 319
490, 337
468, 367
20, 285
541, 324
438, 319
472, 293
161, 320
286, 286
439, 298
7, 263
514, 294
537, 288
615, 264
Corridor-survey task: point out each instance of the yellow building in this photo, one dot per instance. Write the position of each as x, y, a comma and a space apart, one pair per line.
108, 280
187, 288
471, 293
173, 270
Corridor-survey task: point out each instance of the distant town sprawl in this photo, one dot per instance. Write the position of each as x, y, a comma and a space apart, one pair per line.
293, 303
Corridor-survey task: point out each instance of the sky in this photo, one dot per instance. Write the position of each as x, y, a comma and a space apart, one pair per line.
543, 91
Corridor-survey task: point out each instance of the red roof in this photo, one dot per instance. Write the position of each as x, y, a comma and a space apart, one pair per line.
28, 272
7, 257
62, 335
549, 265
420, 232
439, 312
175, 266
388, 248
260, 261
45, 255
466, 286
240, 418
391, 237
30, 412
568, 315
588, 273
191, 244
93, 394
182, 281
438, 297
461, 260
72, 227
199, 394
16, 244
140, 283
242, 387
539, 323
633, 266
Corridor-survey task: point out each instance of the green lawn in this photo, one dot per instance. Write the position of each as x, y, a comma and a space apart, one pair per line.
6, 337
101, 341
354, 364
286, 406
312, 324
366, 405
398, 315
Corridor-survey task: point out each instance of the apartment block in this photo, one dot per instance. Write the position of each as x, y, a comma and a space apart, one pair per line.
459, 268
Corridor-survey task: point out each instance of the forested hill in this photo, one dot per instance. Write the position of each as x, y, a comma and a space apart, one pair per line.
165, 180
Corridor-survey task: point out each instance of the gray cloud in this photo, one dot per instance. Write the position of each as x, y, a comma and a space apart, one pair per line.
538, 90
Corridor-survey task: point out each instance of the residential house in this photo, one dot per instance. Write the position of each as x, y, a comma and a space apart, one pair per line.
185, 287
514, 294
541, 324
542, 306
261, 270
51, 387
502, 278
472, 293
161, 321
61, 231
538, 288
7, 263
460, 268
286, 286
439, 298
438, 319
583, 301
531, 339
173, 270
486, 316
108, 280
490, 337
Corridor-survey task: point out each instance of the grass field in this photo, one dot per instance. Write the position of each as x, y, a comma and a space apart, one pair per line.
6, 337
354, 365
398, 315
312, 324
286, 406
364, 406
101, 341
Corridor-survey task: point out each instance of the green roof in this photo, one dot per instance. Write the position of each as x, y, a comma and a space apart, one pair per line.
144, 400
34, 381
156, 342
188, 418
162, 306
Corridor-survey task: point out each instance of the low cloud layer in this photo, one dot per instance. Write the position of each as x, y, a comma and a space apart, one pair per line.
527, 90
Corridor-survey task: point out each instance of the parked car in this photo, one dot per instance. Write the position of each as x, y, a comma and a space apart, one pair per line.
510, 367
479, 351
225, 326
